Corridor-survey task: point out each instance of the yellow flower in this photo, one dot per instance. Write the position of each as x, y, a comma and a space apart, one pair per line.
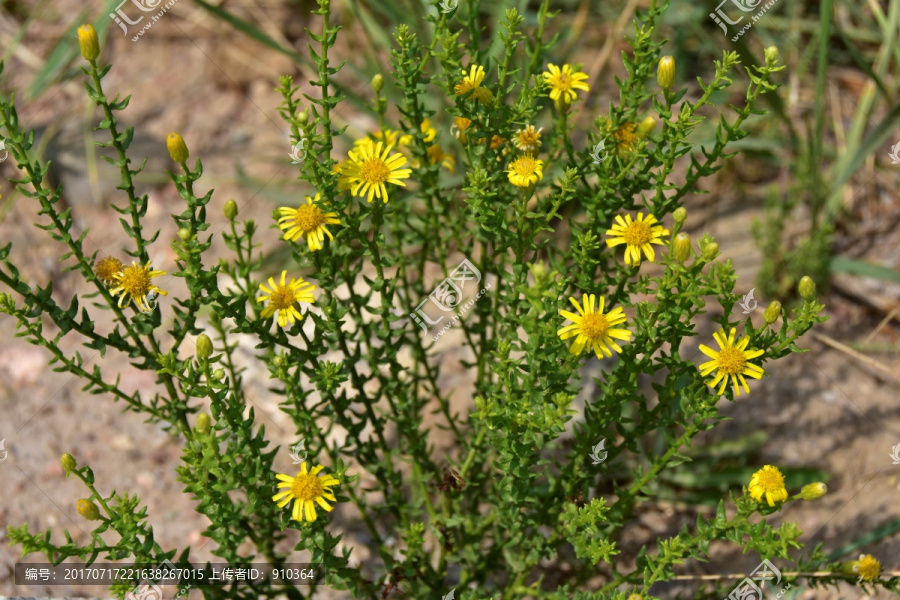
371, 168
594, 330
284, 298
306, 489
528, 139
437, 155
637, 236
429, 131
87, 40
626, 139
768, 482
308, 220
460, 124
134, 283
731, 361
868, 567
563, 83
472, 81
525, 171
107, 268
343, 183
392, 137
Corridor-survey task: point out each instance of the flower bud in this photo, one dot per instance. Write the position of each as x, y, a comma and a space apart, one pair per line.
204, 346
646, 127
88, 510
681, 247
771, 55
202, 425
87, 39
68, 463
680, 216
710, 251
218, 374
231, 210
184, 234
773, 311
303, 117
665, 72
377, 82
177, 148
812, 491
807, 287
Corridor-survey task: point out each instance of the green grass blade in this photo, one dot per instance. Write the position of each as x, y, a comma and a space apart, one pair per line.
840, 264
889, 528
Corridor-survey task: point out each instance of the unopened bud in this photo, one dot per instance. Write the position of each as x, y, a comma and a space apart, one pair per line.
184, 234
681, 247
680, 216
231, 210
710, 251
87, 39
646, 127
202, 425
771, 55
204, 346
303, 117
665, 72
218, 374
807, 287
68, 463
811, 491
88, 510
178, 150
377, 82
773, 311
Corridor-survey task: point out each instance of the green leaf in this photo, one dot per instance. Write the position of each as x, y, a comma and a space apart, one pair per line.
840, 264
